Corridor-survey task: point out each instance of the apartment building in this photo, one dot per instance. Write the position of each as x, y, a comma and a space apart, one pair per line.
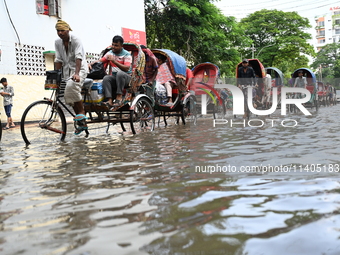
328, 28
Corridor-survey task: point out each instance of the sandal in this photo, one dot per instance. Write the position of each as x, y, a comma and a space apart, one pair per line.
5, 128
169, 104
80, 123
107, 104
117, 103
79, 117
80, 129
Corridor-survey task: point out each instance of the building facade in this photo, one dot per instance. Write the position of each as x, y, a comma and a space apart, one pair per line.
28, 34
328, 28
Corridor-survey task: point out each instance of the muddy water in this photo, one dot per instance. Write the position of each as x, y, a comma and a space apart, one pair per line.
179, 190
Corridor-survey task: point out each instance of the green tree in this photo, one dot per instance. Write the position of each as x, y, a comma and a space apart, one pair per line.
195, 29
336, 69
327, 58
279, 38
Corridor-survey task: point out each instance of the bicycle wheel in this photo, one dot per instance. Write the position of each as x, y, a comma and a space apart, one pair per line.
142, 118
189, 111
41, 123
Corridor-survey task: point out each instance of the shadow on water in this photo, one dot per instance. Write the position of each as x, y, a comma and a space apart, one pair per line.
179, 190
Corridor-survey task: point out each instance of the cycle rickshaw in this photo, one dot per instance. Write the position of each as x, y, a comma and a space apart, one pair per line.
322, 94
204, 80
311, 86
184, 103
260, 74
45, 120
277, 81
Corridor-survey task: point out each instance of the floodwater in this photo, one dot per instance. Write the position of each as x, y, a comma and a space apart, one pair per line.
179, 190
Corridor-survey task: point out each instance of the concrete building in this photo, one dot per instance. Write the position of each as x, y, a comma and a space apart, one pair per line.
28, 33
328, 28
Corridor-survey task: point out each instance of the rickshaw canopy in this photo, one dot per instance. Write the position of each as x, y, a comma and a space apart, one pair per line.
311, 79
278, 75
177, 64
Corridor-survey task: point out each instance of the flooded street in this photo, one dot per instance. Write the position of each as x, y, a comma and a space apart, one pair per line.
266, 190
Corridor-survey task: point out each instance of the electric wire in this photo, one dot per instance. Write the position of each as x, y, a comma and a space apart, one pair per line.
10, 19
296, 8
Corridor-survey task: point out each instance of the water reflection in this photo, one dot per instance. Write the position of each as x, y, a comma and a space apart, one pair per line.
121, 194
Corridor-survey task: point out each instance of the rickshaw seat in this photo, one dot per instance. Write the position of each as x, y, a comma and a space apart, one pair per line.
310, 88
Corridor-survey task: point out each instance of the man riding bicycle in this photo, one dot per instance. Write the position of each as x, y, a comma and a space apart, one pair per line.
245, 74
246, 77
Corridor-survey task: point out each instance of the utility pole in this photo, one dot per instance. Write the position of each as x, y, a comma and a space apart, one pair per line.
253, 51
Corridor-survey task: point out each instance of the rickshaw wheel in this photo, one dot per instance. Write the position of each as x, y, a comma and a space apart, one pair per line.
189, 111
142, 118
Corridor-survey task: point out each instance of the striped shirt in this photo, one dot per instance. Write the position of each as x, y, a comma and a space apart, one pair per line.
124, 58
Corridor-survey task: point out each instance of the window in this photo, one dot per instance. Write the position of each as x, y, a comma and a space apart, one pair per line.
321, 33
321, 41
48, 7
321, 23
337, 22
337, 31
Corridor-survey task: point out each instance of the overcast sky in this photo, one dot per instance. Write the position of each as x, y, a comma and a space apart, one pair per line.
306, 8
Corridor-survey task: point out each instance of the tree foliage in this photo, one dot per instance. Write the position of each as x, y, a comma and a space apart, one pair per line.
327, 55
195, 29
336, 70
279, 38
327, 61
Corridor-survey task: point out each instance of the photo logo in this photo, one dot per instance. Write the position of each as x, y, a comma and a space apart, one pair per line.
239, 100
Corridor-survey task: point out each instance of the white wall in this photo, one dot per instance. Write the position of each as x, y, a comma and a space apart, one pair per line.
95, 22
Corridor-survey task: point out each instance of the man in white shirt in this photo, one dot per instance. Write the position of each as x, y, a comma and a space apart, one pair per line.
300, 81
70, 56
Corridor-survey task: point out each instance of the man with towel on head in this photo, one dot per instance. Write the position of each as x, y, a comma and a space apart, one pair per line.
70, 56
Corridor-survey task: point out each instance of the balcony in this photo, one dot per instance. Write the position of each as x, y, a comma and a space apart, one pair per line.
320, 36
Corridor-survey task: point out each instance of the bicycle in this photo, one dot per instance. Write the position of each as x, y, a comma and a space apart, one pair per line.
48, 118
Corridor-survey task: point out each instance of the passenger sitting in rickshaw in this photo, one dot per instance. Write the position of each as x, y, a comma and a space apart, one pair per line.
165, 77
300, 81
120, 62
151, 66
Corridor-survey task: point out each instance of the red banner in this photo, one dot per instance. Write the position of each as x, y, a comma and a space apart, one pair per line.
131, 35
